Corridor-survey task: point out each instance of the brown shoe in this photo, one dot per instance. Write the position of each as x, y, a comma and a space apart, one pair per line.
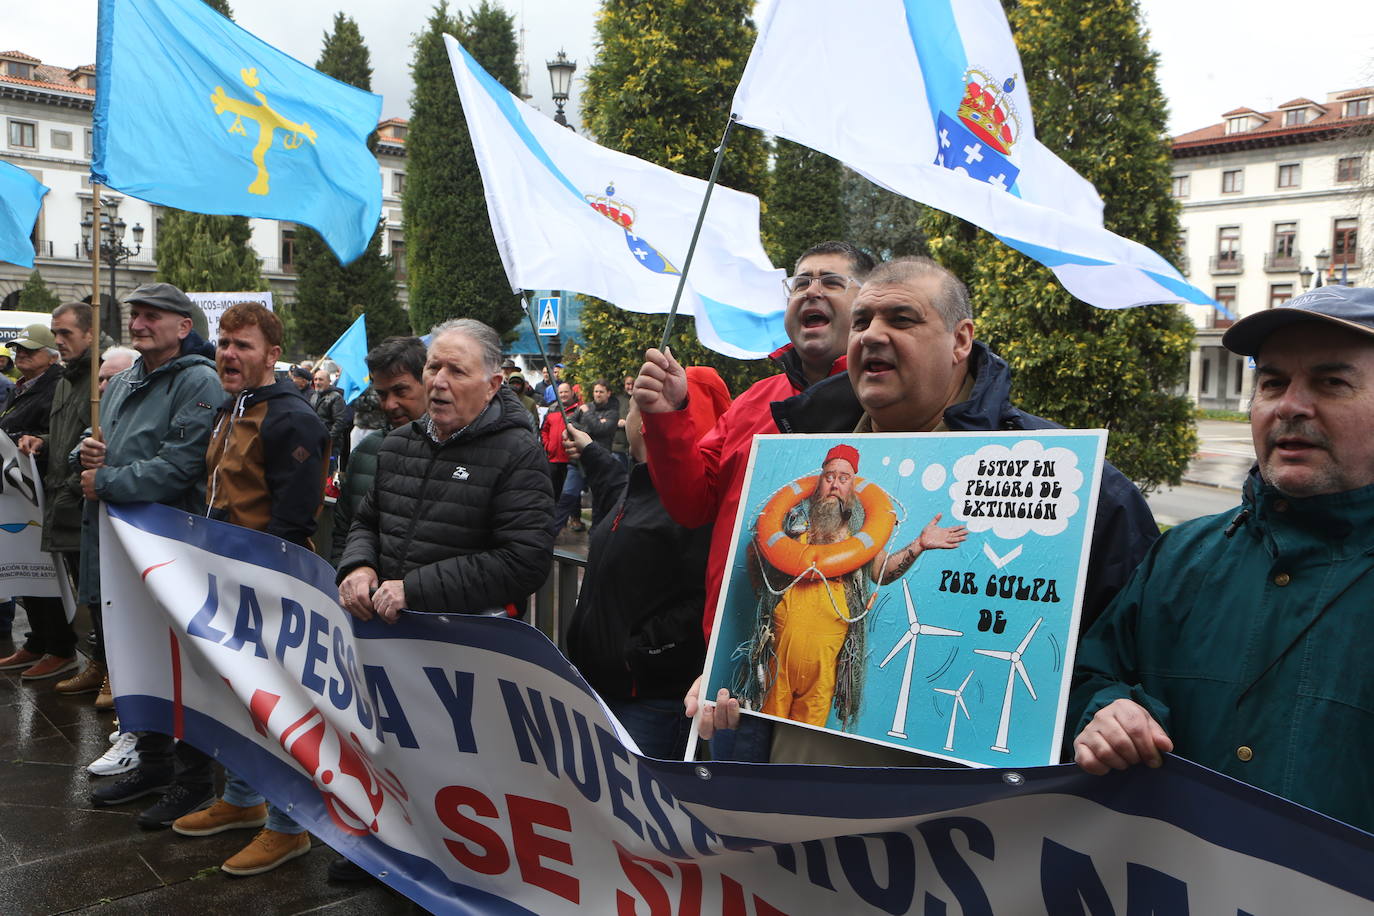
266, 851
49, 666
88, 681
105, 698
219, 817
22, 658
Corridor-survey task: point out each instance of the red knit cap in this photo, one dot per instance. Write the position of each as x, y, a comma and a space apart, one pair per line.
847, 452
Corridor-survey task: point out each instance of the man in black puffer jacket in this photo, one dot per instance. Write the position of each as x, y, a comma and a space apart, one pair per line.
458, 516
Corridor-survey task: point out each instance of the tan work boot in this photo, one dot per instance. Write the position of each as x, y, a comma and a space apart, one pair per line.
219, 817
267, 850
88, 681
105, 699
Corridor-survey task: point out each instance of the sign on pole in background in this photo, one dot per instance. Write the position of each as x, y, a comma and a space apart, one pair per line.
549, 310
214, 304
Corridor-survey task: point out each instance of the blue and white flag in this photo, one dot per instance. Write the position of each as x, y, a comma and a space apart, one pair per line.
193, 112
569, 214
350, 353
927, 98
21, 197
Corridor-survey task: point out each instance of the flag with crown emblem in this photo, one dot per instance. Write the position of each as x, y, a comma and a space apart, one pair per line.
569, 214
194, 112
927, 99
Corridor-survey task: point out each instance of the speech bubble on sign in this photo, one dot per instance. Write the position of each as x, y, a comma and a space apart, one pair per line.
1015, 491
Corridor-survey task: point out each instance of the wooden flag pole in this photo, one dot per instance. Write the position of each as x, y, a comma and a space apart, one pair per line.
95, 310
696, 232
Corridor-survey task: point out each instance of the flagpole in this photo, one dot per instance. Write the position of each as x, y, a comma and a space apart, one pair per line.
696, 231
95, 310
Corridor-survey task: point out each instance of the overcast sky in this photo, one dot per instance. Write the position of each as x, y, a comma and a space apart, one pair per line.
1215, 55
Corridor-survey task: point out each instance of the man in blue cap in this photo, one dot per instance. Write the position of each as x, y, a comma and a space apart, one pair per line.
1242, 640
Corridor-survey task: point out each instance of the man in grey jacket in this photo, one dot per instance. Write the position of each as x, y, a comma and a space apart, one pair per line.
155, 418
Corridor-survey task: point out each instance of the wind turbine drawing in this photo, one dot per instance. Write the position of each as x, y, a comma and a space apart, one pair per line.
957, 706
914, 630
1013, 670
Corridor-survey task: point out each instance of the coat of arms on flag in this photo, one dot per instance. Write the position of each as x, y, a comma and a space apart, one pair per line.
987, 128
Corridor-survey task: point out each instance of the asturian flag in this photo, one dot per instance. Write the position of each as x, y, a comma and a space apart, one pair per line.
927, 98
194, 112
21, 197
350, 353
569, 214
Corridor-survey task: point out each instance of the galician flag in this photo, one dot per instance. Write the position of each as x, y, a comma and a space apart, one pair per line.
569, 214
927, 98
21, 197
193, 112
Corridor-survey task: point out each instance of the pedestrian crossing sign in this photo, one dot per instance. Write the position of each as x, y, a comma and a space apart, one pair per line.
548, 316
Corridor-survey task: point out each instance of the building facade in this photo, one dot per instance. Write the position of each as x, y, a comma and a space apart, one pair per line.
46, 114
1273, 203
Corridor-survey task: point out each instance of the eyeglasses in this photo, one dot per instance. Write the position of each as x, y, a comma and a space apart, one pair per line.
833, 283
836, 476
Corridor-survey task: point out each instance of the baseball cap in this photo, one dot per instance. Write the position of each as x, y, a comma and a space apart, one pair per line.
1349, 307
36, 337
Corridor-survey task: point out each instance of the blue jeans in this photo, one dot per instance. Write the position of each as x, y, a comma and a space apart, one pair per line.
751, 742
658, 726
570, 500
242, 795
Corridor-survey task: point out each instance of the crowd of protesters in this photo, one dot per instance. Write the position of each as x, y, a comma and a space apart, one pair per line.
453, 477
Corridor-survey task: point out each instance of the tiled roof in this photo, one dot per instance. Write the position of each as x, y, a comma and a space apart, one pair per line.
19, 54
1356, 93
65, 86
1271, 131
1298, 103
401, 121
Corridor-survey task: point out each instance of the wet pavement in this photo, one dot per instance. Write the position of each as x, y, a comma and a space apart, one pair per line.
58, 854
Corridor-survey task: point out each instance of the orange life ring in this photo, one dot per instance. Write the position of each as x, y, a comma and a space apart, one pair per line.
791, 556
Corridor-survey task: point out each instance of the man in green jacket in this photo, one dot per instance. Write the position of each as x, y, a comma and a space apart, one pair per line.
397, 368
1241, 641
155, 418
69, 416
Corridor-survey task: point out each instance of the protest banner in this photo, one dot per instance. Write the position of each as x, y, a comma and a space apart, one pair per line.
214, 304
25, 569
892, 629
467, 764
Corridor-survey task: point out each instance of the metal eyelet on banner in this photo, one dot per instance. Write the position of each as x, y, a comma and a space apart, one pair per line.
703, 773
1013, 779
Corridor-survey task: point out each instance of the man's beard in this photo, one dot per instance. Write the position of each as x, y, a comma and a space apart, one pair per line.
829, 521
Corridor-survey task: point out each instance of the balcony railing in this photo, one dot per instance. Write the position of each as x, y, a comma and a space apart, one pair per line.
1278, 263
1227, 262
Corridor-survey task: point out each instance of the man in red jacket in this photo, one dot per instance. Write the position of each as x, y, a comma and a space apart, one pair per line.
700, 483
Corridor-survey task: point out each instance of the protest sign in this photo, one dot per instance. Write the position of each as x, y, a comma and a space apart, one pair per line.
467, 764
25, 569
965, 653
214, 304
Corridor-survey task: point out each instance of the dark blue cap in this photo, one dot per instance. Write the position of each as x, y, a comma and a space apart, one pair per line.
1350, 307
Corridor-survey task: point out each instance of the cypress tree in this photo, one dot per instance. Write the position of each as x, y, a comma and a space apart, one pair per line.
1102, 113
36, 297
660, 89
805, 202
453, 266
330, 295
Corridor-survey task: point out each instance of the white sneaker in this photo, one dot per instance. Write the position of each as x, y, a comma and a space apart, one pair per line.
114, 735
120, 758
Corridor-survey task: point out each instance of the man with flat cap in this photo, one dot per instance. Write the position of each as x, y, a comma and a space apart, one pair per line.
155, 421
1242, 642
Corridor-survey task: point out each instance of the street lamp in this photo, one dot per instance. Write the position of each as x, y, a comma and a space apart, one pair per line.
560, 79
1323, 258
1306, 275
110, 241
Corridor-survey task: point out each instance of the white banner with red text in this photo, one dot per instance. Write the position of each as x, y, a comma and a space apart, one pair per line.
465, 762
